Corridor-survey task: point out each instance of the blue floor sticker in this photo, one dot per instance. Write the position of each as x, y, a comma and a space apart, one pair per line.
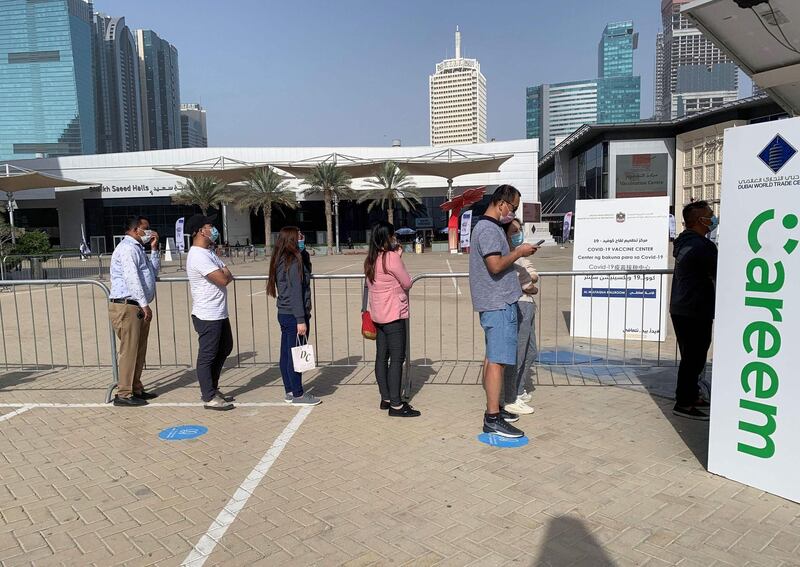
566, 357
500, 441
182, 432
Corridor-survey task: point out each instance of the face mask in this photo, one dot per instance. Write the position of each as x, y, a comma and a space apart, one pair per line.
505, 219
214, 234
714, 223
517, 239
301, 244
148, 235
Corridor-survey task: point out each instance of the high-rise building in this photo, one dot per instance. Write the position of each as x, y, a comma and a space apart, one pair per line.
554, 111
618, 89
119, 120
692, 74
457, 101
159, 91
193, 126
47, 96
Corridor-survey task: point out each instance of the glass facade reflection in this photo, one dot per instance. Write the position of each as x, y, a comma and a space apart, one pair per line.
46, 79
619, 100
585, 176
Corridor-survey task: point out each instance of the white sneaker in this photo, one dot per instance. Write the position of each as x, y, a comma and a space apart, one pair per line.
218, 403
525, 397
519, 407
288, 397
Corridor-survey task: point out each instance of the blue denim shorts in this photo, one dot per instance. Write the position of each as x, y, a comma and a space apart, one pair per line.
500, 328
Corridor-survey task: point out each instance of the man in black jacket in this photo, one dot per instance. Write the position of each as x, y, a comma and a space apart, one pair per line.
692, 305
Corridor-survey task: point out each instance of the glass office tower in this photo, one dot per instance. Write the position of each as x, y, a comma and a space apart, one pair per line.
618, 90
47, 102
160, 91
615, 51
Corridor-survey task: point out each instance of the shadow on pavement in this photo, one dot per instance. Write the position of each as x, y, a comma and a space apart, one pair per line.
568, 542
14, 379
417, 378
330, 376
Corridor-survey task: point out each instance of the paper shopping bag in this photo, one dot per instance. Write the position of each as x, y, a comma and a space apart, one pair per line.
303, 356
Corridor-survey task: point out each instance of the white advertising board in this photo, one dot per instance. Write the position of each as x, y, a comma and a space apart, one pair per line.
620, 234
755, 397
466, 228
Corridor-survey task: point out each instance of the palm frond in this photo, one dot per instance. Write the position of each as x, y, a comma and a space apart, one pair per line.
391, 185
205, 192
328, 177
262, 191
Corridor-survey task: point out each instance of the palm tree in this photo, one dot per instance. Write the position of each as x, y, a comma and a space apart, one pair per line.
262, 191
205, 192
331, 181
391, 186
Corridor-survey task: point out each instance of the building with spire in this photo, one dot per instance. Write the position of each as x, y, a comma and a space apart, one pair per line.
457, 101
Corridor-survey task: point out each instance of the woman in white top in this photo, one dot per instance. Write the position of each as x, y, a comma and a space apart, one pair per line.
516, 397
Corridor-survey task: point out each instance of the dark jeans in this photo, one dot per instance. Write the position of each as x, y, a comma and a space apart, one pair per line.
694, 339
216, 343
390, 354
292, 381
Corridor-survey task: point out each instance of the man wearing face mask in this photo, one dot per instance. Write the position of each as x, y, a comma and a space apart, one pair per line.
495, 289
208, 280
133, 288
692, 305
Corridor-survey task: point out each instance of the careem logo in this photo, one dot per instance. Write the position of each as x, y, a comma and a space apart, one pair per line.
761, 338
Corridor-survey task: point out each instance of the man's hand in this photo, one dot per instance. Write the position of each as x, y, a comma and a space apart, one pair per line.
148, 313
302, 329
525, 250
154, 240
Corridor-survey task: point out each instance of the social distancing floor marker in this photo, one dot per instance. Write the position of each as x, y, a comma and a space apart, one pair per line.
182, 432
500, 441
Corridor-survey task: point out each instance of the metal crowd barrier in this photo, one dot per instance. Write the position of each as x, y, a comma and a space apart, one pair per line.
46, 323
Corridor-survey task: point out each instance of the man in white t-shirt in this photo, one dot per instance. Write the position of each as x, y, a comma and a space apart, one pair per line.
208, 280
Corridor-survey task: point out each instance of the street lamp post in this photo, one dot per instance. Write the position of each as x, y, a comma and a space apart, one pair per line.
336, 214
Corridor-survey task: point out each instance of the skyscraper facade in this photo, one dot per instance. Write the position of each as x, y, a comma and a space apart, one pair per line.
193, 126
159, 91
692, 74
554, 111
457, 101
119, 120
47, 95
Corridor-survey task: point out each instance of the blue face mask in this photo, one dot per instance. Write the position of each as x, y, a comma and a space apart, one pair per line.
301, 244
214, 234
517, 239
714, 223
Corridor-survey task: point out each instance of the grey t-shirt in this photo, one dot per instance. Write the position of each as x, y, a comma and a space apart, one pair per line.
490, 292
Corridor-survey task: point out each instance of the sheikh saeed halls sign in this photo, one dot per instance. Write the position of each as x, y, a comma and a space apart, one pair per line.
755, 397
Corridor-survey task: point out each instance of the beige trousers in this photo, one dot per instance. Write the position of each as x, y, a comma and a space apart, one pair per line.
132, 334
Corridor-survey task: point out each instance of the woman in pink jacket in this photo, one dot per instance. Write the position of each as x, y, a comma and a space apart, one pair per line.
388, 282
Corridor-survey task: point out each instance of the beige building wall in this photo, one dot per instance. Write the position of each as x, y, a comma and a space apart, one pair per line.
698, 165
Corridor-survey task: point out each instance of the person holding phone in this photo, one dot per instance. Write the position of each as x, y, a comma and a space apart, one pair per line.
388, 282
133, 289
290, 283
209, 278
516, 377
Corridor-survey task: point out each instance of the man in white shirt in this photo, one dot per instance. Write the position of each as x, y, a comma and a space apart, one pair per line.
133, 289
208, 280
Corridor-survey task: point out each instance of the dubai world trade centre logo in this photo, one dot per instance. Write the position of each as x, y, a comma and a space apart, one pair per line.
777, 153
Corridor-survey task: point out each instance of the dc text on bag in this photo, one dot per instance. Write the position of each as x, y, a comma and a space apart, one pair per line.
303, 358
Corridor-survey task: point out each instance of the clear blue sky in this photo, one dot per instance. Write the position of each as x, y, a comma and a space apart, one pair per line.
355, 72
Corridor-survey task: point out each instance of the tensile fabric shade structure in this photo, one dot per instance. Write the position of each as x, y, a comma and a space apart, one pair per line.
355, 167
222, 169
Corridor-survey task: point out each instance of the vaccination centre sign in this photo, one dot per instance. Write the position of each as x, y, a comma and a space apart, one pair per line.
620, 234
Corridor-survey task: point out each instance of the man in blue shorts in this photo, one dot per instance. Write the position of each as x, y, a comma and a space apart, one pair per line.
495, 289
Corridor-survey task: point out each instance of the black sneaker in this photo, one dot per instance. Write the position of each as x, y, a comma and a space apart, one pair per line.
508, 416
385, 405
404, 411
690, 413
702, 404
145, 395
129, 402
499, 426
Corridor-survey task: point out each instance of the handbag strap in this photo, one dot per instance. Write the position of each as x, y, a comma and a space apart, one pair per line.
365, 297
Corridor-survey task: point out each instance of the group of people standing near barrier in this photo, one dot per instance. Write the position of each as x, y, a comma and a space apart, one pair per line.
502, 285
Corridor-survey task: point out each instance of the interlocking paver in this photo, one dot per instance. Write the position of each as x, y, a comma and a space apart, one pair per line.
606, 479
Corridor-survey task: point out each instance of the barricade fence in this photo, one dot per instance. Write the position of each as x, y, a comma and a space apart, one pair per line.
64, 322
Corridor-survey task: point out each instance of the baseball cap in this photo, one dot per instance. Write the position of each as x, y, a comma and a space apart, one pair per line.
196, 222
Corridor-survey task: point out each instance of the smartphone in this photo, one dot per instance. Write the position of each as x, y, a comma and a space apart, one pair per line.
539, 243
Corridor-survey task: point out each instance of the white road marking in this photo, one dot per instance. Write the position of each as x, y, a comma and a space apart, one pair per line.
18, 411
201, 552
455, 284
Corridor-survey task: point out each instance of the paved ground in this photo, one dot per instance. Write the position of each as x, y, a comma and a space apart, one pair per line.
609, 478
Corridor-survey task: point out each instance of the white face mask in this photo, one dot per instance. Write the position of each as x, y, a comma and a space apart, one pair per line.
148, 235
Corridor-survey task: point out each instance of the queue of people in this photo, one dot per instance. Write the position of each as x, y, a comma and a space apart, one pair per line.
502, 285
